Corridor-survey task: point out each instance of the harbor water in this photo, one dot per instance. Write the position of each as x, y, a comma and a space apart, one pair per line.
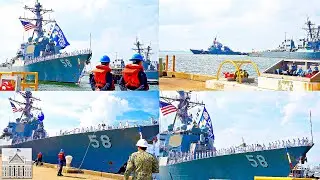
82, 86
208, 64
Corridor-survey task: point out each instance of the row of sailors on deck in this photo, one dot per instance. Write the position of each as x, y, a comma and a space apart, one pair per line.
295, 71
64, 54
175, 157
101, 127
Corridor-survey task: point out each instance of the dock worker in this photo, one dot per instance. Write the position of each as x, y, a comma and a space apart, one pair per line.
61, 161
39, 159
141, 163
133, 76
101, 79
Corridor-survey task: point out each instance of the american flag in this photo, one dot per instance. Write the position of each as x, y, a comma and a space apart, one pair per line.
14, 109
27, 25
167, 108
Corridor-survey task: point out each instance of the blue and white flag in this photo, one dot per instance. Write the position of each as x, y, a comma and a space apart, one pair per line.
40, 116
58, 37
205, 120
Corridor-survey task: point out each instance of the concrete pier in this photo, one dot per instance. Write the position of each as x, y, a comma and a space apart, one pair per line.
49, 172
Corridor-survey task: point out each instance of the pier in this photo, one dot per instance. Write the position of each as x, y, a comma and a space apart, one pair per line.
49, 172
281, 178
266, 80
172, 80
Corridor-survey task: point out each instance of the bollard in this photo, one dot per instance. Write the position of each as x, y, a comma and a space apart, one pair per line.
167, 63
68, 161
160, 67
174, 63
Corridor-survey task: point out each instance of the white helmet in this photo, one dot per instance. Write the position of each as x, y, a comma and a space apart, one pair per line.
142, 143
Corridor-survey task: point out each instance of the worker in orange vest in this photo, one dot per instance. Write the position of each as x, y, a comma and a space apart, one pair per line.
133, 76
61, 161
102, 79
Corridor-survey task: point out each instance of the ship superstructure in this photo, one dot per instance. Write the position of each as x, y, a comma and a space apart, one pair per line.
188, 151
101, 147
42, 52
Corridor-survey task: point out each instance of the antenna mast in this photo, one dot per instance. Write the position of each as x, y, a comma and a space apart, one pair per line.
311, 127
139, 48
90, 41
38, 11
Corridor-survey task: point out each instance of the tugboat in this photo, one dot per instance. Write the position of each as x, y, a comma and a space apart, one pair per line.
103, 148
218, 49
308, 47
42, 52
187, 148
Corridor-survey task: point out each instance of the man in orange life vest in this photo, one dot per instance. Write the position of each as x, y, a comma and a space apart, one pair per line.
102, 79
39, 159
133, 77
61, 161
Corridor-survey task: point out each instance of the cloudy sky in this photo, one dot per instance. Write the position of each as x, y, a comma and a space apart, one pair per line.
114, 25
240, 24
68, 110
260, 117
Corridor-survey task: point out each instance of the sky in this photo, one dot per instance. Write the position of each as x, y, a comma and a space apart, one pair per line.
242, 25
258, 117
113, 24
69, 110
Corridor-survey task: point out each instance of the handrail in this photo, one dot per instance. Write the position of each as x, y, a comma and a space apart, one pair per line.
55, 56
179, 157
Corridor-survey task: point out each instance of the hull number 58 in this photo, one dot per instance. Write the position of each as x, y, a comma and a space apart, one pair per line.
256, 161
95, 141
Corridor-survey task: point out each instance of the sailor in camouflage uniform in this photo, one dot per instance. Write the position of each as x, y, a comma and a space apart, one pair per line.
141, 163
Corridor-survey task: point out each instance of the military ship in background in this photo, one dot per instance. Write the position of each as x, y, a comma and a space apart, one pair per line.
187, 148
150, 67
42, 52
218, 49
103, 148
306, 48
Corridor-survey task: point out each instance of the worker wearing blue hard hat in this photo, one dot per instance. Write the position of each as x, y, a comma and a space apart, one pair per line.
61, 161
133, 76
102, 79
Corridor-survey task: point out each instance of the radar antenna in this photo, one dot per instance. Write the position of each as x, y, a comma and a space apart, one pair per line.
28, 104
184, 105
139, 48
38, 11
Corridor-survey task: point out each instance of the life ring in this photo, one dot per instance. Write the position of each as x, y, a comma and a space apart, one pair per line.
228, 75
6, 86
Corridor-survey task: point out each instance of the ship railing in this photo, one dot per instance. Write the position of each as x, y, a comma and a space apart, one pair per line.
179, 157
55, 56
99, 127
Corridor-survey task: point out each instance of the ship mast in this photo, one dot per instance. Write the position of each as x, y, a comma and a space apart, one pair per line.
148, 53
38, 11
310, 29
184, 105
28, 104
139, 48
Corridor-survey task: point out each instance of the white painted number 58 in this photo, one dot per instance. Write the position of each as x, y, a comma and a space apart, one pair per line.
262, 161
105, 141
